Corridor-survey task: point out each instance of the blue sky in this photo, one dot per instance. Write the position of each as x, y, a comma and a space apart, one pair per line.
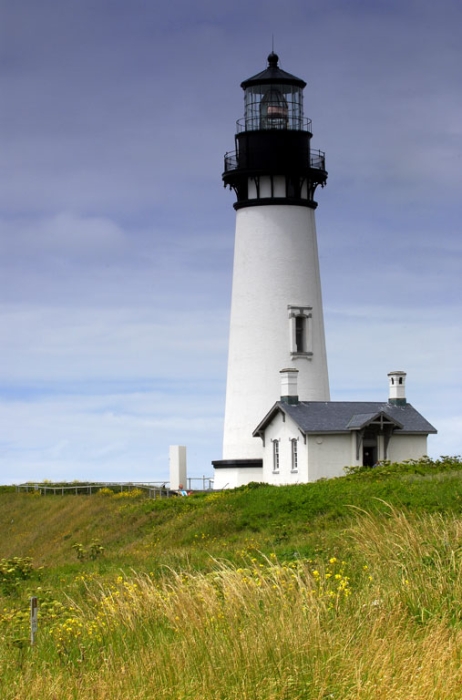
116, 235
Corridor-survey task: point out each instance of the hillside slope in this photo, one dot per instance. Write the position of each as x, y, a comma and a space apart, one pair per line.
303, 518
348, 588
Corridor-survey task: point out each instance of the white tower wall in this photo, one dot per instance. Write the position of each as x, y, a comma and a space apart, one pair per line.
276, 278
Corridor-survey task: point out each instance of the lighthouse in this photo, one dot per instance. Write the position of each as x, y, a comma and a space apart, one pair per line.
276, 306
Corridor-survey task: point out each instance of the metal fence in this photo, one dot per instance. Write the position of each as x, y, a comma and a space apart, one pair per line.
154, 489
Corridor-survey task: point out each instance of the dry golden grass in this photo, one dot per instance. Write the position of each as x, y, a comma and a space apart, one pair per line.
386, 623
383, 625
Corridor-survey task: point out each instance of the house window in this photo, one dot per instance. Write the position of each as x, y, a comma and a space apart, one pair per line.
275, 455
294, 450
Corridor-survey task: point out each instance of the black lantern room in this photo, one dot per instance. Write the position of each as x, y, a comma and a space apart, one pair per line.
273, 141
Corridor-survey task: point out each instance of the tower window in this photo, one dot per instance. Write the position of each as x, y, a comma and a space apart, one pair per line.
300, 331
293, 189
300, 322
275, 455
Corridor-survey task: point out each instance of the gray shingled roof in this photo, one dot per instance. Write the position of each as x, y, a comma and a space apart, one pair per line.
344, 416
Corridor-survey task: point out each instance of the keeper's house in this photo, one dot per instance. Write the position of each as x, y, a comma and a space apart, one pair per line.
303, 441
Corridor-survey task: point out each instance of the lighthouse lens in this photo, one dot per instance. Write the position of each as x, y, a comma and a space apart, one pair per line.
272, 106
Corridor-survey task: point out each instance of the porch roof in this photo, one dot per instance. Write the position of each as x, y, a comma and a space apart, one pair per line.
361, 420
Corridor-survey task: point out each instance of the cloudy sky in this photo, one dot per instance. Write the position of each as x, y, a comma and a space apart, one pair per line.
116, 235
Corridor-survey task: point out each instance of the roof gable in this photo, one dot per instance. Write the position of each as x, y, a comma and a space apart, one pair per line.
362, 420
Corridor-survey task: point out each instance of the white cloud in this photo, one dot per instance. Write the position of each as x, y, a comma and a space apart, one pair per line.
58, 344
121, 436
89, 240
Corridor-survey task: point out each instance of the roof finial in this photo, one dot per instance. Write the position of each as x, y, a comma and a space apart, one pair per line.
273, 59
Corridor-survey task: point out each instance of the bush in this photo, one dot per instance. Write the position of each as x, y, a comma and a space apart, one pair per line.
13, 571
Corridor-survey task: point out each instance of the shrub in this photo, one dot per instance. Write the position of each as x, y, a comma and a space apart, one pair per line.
13, 571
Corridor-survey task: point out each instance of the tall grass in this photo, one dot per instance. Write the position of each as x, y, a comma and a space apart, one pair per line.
383, 623
422, 556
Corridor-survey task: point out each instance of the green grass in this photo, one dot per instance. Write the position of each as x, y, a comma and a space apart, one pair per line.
306, 518
345, 588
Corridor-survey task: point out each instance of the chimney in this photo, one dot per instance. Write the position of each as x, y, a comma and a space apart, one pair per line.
397, 388
289, 391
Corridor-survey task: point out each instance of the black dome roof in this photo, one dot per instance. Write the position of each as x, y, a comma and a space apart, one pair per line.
273, 74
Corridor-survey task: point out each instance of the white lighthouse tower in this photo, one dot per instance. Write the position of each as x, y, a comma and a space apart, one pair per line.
276, 310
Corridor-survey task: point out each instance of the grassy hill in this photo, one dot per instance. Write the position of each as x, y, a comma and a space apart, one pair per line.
344, 588
306, 518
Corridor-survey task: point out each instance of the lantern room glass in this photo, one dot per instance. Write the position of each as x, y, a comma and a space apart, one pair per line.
273, 106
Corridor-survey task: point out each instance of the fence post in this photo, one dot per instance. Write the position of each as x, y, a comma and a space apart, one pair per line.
33, 619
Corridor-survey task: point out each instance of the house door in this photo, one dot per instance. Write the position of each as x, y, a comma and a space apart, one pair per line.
369, 455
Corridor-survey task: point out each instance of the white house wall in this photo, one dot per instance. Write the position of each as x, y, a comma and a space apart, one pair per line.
284, 432
329, 455
321, 456
402, 447
324, 456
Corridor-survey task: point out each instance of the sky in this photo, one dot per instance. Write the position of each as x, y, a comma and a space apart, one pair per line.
116, 235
